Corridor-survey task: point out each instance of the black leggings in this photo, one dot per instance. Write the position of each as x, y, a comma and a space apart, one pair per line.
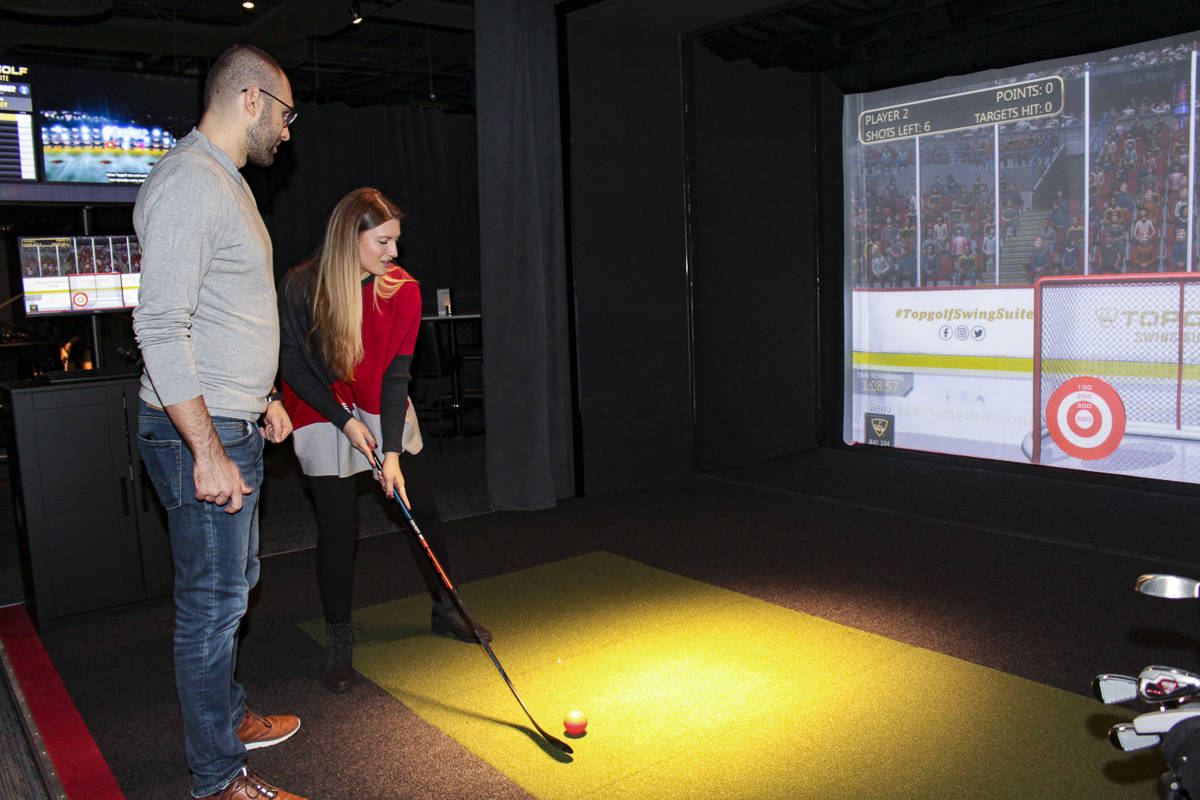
336, 504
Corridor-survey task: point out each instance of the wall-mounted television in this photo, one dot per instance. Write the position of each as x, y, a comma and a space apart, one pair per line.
87, 135
79, 274
18, 158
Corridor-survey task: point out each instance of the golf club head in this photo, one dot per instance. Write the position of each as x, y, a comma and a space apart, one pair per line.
1124, 737
1171, 587
1167, 684
1159, 722
1110, 689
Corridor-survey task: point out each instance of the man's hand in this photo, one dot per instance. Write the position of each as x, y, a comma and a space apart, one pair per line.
217, 479
276, 424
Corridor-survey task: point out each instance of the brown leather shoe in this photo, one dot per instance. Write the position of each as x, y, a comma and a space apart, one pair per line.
258, 731
248, 786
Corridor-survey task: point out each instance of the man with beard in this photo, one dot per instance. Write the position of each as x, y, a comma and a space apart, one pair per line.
208, 330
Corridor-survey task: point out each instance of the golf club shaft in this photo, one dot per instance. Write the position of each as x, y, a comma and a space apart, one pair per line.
462, 608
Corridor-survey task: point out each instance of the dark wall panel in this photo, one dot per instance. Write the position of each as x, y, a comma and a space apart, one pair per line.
627, 254
753, 260
423, 159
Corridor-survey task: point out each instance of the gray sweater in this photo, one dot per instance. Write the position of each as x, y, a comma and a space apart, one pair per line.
206, 320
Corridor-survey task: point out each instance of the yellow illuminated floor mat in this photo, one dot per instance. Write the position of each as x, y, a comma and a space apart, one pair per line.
692, 691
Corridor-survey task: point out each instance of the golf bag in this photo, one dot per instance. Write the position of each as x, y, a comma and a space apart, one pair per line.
1175, 725
1181, 749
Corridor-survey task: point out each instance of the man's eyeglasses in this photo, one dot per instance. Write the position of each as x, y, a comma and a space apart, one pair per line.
288, 118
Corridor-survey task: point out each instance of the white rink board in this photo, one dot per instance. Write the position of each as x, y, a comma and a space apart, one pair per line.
980, 415
969, 394
979, 322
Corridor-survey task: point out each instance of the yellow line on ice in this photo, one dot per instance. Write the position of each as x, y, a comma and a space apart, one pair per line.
930, 361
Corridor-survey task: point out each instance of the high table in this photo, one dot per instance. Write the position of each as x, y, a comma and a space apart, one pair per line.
456, 358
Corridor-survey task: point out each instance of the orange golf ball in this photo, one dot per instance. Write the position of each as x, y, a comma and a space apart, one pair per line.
575, 722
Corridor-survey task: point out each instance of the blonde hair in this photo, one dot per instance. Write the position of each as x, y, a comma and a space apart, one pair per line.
337, 292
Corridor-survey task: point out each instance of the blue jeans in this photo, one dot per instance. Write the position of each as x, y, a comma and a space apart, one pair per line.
216, 565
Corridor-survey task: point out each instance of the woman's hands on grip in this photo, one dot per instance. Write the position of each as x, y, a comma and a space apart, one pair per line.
390, 477
360, 437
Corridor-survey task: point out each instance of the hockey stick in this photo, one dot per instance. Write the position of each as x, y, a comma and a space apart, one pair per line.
458, 602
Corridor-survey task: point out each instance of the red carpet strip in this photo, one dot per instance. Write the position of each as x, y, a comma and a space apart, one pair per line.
82, 770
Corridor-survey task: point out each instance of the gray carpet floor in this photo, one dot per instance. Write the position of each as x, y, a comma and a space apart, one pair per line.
1037, 607
287, 525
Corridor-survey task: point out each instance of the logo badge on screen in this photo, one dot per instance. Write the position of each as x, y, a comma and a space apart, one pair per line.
1086, 418
881, 429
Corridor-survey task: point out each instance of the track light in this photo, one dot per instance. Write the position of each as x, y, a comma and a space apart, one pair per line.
355, 16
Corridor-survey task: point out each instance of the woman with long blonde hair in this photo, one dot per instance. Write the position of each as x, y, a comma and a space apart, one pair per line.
348, 324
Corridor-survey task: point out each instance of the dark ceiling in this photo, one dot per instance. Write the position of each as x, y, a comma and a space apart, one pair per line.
418, 52
421, 52
863, 45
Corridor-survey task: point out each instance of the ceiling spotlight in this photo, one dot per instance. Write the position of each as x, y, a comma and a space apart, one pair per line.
248, 5
355, 16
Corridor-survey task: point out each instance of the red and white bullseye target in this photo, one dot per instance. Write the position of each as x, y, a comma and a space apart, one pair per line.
79, 299
1086, 418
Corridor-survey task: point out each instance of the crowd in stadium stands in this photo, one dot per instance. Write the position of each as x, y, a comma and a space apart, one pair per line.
958, 236
1138, 188
120, 254
1138, 194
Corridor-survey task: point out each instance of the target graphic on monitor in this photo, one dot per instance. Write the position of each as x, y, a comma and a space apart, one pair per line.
1086, 418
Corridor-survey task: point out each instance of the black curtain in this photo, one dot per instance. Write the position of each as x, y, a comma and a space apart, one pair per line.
530, 462
424, 159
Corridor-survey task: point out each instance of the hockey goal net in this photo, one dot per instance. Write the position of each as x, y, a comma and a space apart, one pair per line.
1139, 334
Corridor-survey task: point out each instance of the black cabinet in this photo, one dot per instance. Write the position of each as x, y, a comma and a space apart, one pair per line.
93, 534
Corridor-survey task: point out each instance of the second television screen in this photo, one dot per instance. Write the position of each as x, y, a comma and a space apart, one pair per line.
73, 274
109, 127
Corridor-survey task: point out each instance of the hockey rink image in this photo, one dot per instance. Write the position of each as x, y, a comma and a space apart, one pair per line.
98, 165
943, 370
79, 273
1021, 264
1106, 365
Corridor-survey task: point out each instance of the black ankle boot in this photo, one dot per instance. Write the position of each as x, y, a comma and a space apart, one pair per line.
446, 620
339, 649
